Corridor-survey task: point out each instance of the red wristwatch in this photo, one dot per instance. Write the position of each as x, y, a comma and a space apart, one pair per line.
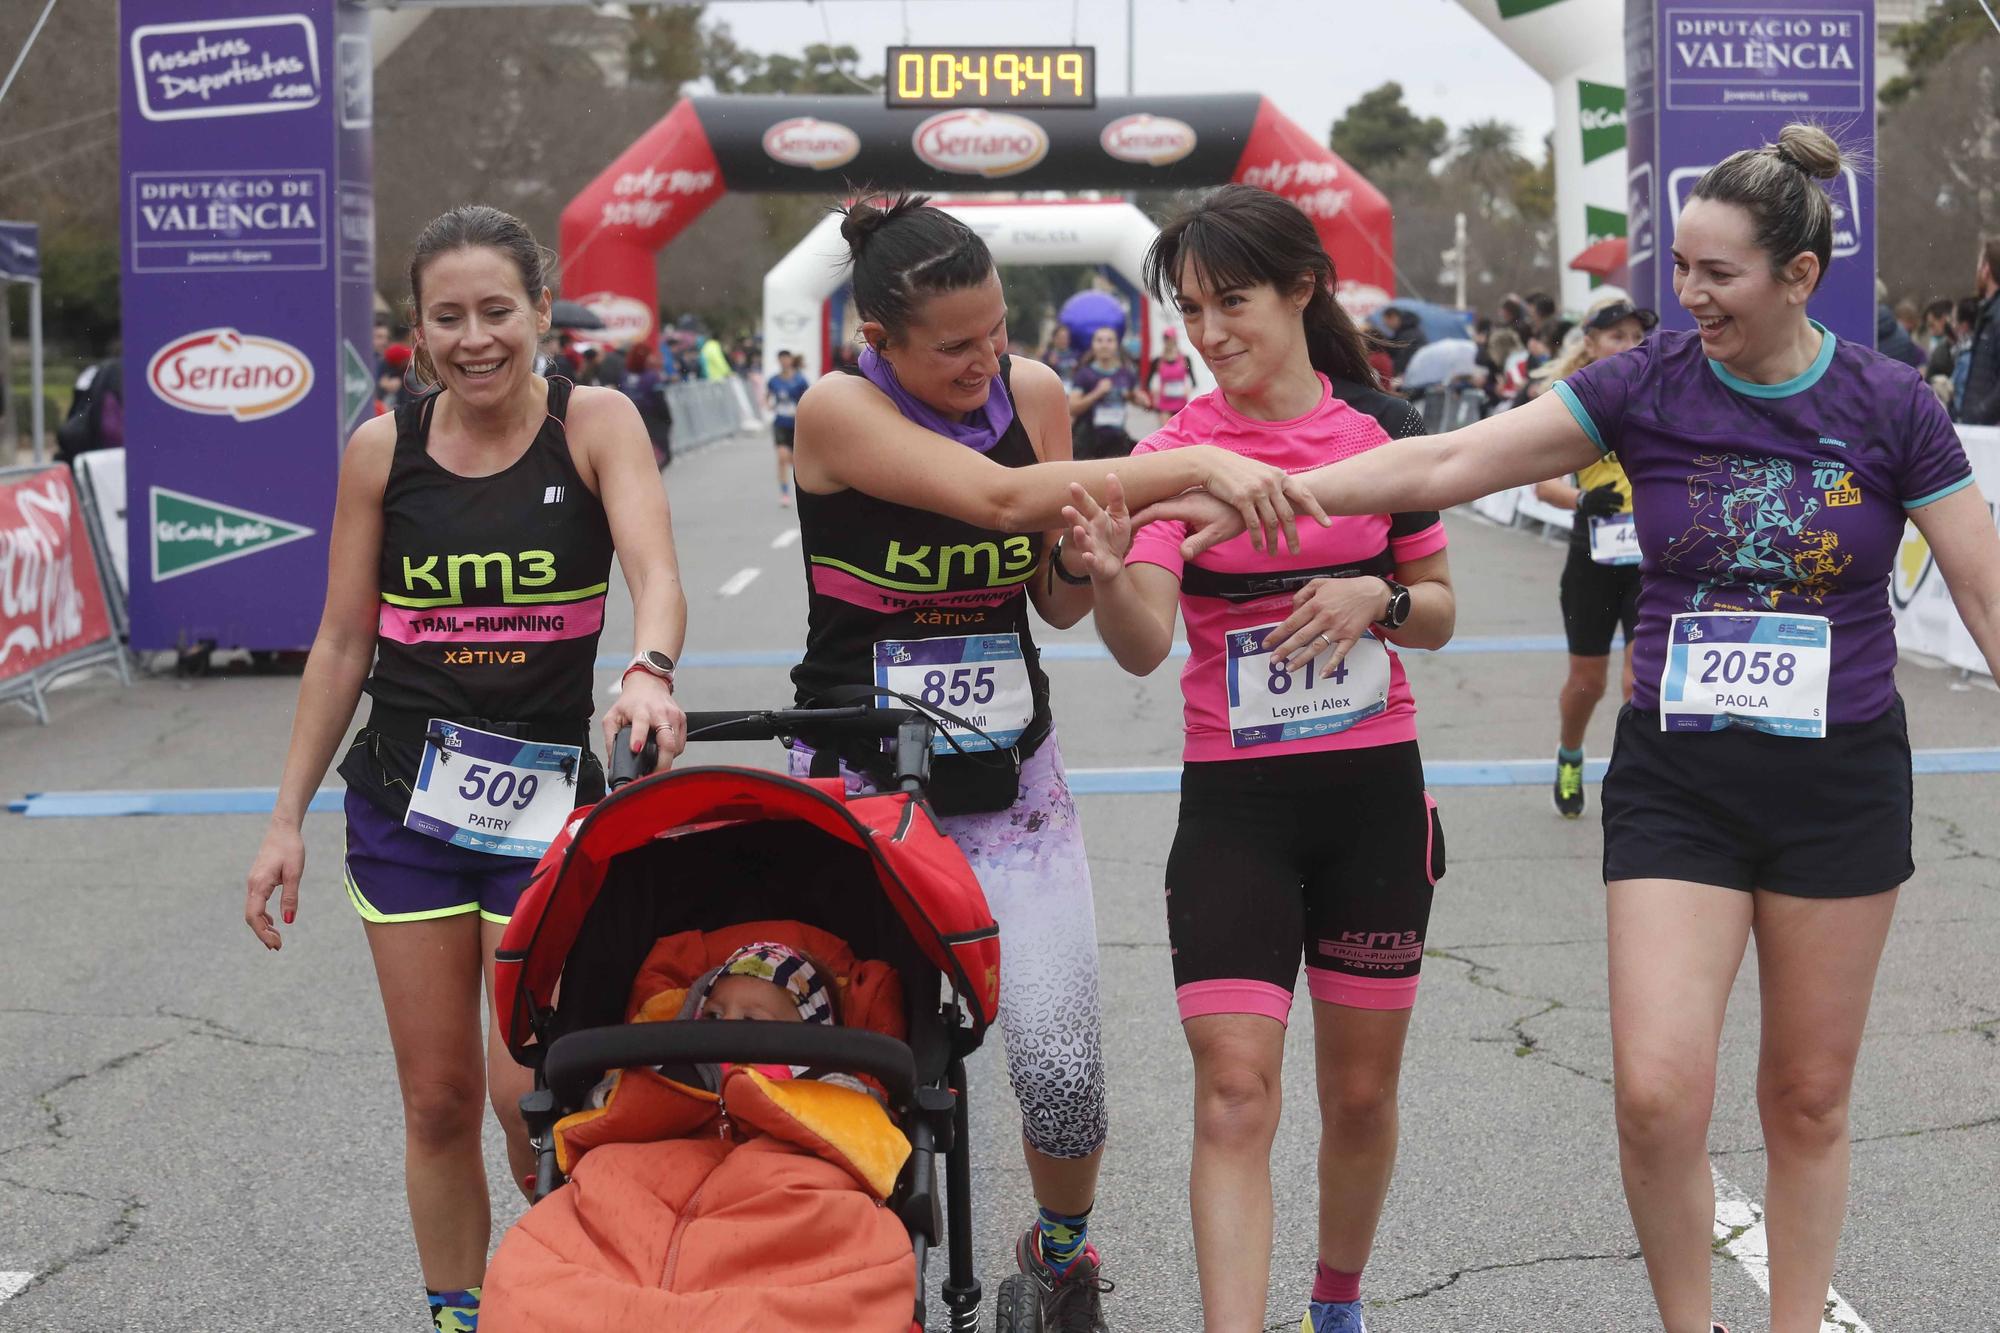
654, 664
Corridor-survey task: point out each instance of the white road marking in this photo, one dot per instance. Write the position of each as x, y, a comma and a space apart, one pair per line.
13, 1284
738, 581
789, 537
1739, 1226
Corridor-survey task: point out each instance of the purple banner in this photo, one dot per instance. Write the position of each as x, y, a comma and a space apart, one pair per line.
1704, 80
247, 293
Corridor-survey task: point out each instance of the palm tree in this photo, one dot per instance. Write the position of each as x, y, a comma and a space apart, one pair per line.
1485, 159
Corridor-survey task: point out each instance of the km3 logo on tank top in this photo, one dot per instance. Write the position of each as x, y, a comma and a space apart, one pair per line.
939, 583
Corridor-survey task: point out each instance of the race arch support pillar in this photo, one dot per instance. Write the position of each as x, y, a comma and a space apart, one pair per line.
830, 146
1579, 47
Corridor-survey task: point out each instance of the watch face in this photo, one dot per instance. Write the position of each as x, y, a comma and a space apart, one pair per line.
659, 663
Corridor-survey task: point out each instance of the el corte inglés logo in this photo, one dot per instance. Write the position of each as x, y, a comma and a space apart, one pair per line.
221, 372
818, 144
980, 143
1152, 140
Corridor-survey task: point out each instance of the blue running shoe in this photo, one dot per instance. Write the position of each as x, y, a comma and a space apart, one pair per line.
1333, 1317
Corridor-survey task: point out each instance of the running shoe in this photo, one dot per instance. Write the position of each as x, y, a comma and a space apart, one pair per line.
1333, 1317
1071, 1302
1569, 788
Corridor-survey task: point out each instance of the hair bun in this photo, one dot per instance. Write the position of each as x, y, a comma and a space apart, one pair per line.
1810, 149
858, 222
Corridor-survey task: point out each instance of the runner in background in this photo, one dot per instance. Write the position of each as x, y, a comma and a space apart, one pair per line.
781, 398
1304, 825
1104, 386
1600, 580
480, 667
937, 443
1760, 781
1172, 380
1058, 355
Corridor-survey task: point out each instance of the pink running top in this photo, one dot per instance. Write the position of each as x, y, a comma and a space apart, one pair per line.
1224, 596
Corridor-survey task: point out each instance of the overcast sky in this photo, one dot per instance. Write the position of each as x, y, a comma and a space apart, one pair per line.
1310, 57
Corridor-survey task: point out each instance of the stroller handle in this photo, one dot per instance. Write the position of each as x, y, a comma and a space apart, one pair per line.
909, 728
577, 1060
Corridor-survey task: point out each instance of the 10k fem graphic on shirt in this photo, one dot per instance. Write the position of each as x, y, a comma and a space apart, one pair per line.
1783, 497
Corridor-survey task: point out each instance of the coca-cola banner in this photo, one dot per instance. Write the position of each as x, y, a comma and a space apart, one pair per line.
248, 292
829, 146
52, 602
1707, 80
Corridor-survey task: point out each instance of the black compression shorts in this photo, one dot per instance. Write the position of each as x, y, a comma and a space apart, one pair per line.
1332, 854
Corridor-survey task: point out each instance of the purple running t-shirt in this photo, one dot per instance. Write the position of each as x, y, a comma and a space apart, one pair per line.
1771, 497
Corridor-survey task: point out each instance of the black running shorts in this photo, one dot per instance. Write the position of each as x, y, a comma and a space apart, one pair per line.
1743, 810
1596, 601
1331, 854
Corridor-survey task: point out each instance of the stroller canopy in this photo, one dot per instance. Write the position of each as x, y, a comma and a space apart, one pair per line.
917, 869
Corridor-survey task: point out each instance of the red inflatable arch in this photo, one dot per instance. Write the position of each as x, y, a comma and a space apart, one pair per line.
706, 146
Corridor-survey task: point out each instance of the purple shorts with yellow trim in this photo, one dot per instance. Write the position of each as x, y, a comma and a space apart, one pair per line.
396, 874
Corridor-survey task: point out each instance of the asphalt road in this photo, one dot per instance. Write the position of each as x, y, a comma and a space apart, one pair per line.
195, 1134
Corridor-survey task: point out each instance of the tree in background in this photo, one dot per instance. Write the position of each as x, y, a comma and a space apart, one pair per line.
1429, 175
1938, 149
1379, 130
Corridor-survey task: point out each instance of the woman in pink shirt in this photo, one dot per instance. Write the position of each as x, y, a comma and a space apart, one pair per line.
1296, 708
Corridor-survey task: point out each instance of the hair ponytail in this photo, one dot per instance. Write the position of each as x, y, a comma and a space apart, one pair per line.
902, 249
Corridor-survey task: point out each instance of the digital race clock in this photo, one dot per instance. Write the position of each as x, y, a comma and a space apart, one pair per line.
991, 76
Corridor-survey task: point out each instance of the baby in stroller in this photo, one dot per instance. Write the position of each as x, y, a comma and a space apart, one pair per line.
704, 1194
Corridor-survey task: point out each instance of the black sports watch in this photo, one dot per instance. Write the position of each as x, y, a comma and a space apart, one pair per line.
1399, 605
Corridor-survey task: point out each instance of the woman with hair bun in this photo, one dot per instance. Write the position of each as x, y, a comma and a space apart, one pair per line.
1760, 782
473, 534
931, 479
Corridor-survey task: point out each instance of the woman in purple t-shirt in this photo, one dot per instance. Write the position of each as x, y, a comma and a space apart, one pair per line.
1760, 781
1103, 386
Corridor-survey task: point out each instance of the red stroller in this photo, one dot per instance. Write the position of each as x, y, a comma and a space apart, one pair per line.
706, 849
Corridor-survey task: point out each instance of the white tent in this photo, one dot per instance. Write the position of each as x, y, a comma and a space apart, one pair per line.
1111, 233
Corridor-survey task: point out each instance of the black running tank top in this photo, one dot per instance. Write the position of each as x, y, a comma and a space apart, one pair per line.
492, 587
877, 571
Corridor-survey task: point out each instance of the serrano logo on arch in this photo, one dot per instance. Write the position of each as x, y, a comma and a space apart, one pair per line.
220, 372
980, 143
1151, 140
625, 317
818, 144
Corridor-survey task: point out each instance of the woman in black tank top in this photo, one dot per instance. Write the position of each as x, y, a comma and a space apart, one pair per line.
471, 551
928, 486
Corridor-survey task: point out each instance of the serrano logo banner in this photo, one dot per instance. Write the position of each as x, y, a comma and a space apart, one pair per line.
625, 318
980, 143
1153, 140
220, 372
819, 144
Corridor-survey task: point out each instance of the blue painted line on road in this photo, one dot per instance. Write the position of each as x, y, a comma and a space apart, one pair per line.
1092, 652
1082, 781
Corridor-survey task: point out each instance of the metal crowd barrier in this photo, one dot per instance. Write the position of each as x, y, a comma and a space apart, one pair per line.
704, 411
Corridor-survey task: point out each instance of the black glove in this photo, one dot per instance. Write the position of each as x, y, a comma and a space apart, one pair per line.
1600, 501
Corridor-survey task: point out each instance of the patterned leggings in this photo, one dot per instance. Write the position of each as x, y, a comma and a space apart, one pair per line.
1030, 861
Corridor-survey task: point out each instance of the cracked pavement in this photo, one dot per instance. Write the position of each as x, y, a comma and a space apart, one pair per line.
197, 1135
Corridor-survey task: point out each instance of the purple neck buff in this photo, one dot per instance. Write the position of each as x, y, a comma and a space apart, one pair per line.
981, 432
